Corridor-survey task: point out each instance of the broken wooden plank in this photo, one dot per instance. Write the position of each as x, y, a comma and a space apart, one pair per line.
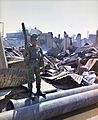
12, 77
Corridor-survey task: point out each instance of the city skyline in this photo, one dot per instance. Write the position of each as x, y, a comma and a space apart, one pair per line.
55, 16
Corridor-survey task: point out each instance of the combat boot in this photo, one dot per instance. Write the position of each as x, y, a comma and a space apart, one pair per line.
39, 92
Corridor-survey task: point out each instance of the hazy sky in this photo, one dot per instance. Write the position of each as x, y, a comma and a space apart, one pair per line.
72, 16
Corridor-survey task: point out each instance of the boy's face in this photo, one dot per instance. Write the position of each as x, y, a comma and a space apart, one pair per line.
34, 41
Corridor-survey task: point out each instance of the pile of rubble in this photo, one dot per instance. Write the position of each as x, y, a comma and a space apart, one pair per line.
79, 66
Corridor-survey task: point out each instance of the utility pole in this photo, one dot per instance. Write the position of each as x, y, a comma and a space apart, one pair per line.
3, 60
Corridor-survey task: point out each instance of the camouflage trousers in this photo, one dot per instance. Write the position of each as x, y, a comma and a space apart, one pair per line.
33, 74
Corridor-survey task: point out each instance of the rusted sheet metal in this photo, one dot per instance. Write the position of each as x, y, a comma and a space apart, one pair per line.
53, 108
65, 74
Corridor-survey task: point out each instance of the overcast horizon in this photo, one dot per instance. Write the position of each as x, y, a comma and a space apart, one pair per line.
73, 16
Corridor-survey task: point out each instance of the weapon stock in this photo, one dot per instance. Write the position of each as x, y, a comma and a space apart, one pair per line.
25, 38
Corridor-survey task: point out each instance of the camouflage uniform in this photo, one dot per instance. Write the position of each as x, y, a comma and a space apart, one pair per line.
34, 63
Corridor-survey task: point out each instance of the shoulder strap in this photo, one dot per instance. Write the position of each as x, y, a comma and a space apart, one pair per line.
40, 50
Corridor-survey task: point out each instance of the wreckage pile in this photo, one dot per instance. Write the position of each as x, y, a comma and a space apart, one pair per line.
78, 66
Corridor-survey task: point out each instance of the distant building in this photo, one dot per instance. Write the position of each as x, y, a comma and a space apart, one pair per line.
46, 40
78, 40
66, 42
84, 41
96, 42
15, 39
57, 43
92, 38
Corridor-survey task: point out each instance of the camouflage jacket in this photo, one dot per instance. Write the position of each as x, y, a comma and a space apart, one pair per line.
35, 56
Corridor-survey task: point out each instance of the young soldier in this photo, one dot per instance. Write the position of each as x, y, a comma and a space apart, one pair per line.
35, 61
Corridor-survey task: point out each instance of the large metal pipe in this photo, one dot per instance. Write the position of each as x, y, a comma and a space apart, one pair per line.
13, 104
53, 108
